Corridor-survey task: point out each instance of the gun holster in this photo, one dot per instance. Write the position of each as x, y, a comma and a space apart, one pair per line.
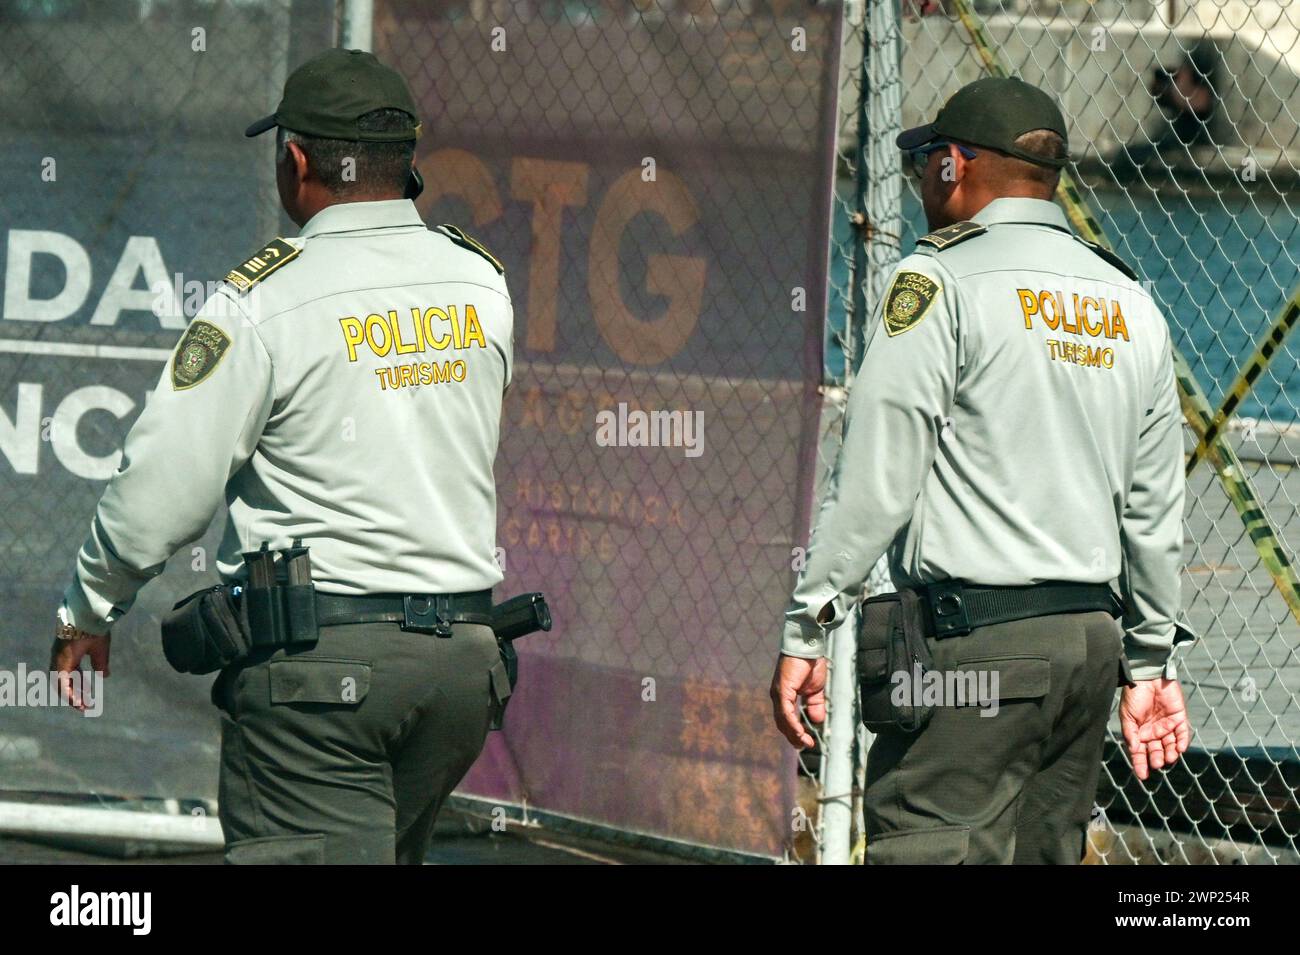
512, 619
893, 660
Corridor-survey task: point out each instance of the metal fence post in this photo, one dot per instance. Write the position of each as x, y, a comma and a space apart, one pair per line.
358, 24
840, 738
877, 200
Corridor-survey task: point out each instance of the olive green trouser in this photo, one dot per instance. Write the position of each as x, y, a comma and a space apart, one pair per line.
344, 752
1015, 787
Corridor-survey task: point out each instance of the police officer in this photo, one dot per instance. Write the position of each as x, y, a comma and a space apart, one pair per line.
343, 388
1013, 441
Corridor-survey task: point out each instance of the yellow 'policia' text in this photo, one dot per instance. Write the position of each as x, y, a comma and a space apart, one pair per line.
1094, 317
429, 329
1050, 307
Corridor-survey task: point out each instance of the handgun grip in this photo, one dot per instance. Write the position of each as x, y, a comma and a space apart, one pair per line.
521, 615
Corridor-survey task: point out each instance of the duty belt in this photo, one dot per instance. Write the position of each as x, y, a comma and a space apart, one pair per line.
420, 613
955, 608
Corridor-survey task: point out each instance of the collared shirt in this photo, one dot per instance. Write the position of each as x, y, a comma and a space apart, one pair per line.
1015, 420
350, 398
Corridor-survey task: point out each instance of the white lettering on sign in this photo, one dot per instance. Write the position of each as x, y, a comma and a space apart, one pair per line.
20, 436
124, 291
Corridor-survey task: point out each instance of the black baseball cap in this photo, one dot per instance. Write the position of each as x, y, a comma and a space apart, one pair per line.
328, 94
993, 112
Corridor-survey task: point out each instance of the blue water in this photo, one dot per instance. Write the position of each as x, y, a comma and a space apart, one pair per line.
1222, 268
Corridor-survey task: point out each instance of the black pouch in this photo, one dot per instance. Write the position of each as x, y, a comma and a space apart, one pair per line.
874, 622
205, 632
893, 659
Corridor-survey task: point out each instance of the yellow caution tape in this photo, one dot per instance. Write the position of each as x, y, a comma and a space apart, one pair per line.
1249, 374
1237, 485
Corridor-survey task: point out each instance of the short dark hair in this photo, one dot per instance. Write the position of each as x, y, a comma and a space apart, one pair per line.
378, 167
1044, 144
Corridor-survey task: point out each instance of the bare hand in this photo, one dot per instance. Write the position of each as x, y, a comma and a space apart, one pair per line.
796, 678
1153, 717
66, 656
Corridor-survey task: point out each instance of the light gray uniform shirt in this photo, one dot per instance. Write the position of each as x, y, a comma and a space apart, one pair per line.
344, 387
1015, 420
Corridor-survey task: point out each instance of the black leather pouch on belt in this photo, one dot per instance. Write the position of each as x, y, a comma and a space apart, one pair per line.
893, 659
205, 632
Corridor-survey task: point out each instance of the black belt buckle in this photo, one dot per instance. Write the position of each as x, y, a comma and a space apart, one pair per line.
948, 610
427, 614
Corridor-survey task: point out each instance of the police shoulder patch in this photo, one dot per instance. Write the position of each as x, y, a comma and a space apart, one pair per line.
466, 242
907, 301
275, 255
197, 354
949, 236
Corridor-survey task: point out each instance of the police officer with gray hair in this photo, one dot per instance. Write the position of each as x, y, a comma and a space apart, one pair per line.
1013, 441
341, 395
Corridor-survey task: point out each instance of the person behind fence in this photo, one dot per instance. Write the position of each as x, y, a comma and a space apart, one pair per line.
341, 393
1188, 98
1013, 440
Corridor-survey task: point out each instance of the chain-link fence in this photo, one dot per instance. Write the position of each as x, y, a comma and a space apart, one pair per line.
664, 180
653, 176
1183, 127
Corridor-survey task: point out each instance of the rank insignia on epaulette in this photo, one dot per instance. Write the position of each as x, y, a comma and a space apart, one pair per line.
278, 253
197, 354
468, 242
907, 301
1112, 258
951, 235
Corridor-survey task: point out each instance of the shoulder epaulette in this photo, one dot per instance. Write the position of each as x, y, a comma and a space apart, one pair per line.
949, 236
277, 254
465, 242
1112, 258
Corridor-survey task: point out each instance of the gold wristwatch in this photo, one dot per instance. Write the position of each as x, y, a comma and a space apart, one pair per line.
66, 631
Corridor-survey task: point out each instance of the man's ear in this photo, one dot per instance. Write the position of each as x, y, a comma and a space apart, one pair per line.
296, 159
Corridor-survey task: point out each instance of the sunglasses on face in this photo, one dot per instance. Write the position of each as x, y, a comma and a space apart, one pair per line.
921, 155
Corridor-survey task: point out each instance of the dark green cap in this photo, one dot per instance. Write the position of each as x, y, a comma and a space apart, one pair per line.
992, 112
326, 95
